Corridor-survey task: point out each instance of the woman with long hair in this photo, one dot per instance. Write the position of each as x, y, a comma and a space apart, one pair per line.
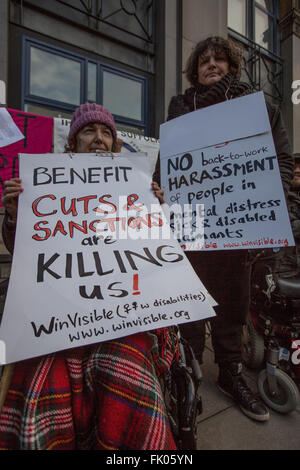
213, 70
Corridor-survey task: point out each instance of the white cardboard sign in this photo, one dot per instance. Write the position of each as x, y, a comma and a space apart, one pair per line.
224, 158
85, 268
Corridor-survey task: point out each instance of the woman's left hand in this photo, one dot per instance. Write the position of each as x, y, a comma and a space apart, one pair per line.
159, 193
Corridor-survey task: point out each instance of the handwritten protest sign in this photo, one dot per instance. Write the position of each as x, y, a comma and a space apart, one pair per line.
131, 142
94, 258
37, 132
223, 157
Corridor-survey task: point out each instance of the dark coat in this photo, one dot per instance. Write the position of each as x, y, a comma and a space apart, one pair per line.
8, 233
294, 209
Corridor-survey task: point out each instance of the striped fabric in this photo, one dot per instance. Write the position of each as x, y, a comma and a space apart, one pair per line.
106, 397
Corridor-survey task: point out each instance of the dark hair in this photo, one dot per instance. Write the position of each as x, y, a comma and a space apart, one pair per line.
216, 44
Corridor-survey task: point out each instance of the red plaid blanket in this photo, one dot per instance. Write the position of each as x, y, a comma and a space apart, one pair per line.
105, 396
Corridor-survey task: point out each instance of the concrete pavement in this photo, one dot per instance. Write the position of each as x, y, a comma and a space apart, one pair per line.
222, 426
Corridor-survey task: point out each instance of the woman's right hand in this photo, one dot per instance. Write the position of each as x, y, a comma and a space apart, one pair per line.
11, 192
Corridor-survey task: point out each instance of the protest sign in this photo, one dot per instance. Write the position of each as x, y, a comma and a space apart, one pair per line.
131, 142
223, 158
9, 132
89, 264
37, 134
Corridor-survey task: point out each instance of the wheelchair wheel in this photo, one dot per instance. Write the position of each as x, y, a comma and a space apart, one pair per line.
253, 347
183, 405
287, 398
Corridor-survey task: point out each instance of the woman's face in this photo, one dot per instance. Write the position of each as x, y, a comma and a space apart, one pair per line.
94, 137
212, 66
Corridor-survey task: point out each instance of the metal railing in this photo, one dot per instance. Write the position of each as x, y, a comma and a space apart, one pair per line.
263, 69
125, 17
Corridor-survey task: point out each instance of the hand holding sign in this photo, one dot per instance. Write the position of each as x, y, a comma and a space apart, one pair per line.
12, 190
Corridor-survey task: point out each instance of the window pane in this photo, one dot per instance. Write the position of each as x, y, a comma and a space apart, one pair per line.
54, 77
237, 15
92, 82
267, 4
122, 96
263, 29
44, 111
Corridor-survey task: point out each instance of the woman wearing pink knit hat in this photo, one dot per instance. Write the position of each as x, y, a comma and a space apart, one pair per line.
105, 396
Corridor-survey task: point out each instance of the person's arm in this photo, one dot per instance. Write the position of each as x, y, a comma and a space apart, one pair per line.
156, 174
8, 233
294, 211
177, 107
158, 192
11, 191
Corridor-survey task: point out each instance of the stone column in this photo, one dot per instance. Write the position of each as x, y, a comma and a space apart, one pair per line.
173, 49
4, 8
199, 20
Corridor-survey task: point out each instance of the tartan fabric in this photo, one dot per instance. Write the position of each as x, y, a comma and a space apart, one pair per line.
106, 397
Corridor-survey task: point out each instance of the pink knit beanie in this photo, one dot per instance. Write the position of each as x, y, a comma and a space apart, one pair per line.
91, 112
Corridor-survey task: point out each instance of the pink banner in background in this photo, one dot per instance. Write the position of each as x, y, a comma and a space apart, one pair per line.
38, 132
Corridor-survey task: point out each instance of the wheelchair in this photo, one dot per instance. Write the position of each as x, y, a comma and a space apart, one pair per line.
271, 335
181, 388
